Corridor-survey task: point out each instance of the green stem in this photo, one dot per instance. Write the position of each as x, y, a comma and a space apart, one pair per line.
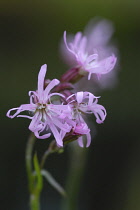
28, 159
34, 202
34, 193
52, 149
46, 154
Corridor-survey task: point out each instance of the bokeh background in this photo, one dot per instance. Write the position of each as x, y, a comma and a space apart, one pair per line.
30, 32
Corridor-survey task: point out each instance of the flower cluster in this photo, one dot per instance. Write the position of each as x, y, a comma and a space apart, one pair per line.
59, 118
55, 108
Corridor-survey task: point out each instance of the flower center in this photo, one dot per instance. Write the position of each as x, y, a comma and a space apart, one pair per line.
41, 106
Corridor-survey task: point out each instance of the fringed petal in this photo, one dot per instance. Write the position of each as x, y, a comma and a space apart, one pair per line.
99, 112
62, 134
24, 107
56, 94
38, 127
88, 139
35, 122
56, 134
77, 39
91, 58
89, 75
81, 128
50, 86
63, 126
65, 41
103, 66
41, 77
25, 116
45, 136
70, 97
83, 44
79, 96
80, 141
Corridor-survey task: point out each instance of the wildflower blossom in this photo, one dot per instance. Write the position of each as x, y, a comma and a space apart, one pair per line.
89, 52
85, 103
45, 114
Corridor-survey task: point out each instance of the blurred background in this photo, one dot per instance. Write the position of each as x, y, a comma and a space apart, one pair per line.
30, 33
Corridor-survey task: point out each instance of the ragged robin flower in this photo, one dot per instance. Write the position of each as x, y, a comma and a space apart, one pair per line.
88, 51
83, 103
45, 115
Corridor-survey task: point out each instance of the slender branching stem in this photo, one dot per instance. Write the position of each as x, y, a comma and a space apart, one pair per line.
34, 193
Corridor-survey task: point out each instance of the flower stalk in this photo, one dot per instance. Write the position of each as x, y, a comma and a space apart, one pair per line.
28, 159
33, 183
34, 202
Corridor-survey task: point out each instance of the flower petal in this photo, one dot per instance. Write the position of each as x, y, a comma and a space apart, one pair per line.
25, 116
103, 66
62, 134
77, 39
81, 129
45, 136
89, 75
35, 122
23, 107
88, 139
79, 96
37, 126
99, 112
58, 94
56, 134
91, 58
63, 126
70, 96
50, 86
80, 141
41, 77
83, 44
92, 99
65, 41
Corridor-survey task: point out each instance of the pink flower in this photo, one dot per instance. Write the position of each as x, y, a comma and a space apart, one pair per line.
45, 115
89, 52
85, 103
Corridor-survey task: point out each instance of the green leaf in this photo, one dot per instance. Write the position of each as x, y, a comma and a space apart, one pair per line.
53, 182
39, 184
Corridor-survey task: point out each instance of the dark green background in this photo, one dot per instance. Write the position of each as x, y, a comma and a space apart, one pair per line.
30, 32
